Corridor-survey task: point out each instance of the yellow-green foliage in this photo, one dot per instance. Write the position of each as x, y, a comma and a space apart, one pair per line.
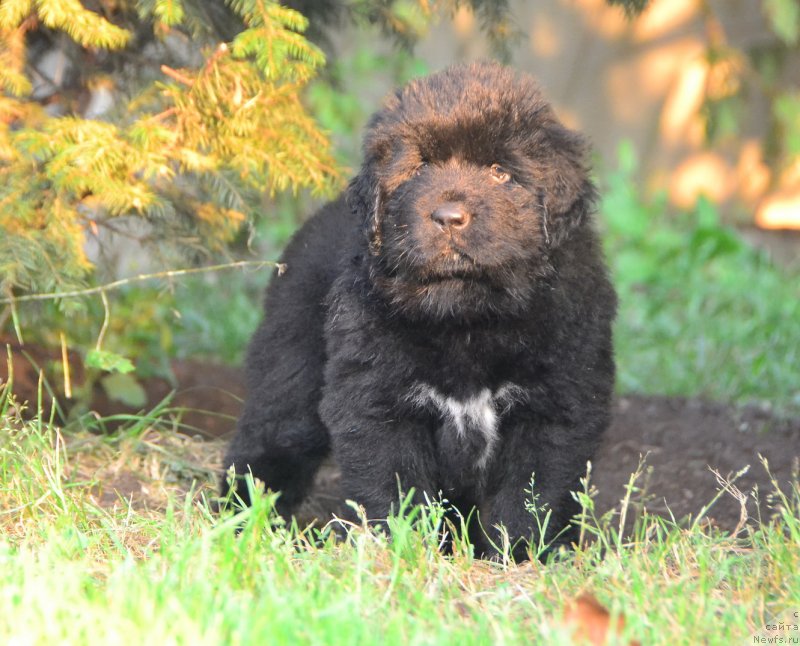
188, 154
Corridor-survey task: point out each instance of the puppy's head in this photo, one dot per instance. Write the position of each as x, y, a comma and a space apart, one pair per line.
468, 183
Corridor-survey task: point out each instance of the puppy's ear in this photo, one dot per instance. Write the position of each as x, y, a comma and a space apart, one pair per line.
364, 194
364, 199
567, 196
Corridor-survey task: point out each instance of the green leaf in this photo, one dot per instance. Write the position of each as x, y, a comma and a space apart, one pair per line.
707, 214
628, 159
124, 389
634, 267
108, 361
784, 18
787, 112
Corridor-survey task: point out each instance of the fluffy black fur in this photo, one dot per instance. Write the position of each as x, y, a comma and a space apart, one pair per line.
446, 323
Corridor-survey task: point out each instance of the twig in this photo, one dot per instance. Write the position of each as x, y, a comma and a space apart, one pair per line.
106, 224
106, 319
161, 115
281, 267
65, 364
177, 76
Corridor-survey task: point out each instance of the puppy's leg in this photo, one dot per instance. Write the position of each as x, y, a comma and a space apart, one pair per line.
280, 438
380, 460
283, 453
553, 459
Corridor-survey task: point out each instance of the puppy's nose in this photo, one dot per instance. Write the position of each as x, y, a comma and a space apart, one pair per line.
450, 215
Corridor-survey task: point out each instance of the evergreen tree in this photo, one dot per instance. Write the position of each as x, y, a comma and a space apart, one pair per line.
140, 110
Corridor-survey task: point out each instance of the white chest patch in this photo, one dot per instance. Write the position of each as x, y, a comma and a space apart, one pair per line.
479, 414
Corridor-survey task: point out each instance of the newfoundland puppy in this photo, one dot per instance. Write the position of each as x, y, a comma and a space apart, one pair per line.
445, 325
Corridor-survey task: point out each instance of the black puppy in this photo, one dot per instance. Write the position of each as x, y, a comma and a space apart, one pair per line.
445, 325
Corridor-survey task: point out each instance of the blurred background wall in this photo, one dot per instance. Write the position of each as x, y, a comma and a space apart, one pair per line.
648, 80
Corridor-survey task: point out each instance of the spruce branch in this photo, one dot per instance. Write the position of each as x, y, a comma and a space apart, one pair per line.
85, 27
190, 156
13, 12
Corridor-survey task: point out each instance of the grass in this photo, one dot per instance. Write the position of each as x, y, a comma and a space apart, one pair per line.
81, 564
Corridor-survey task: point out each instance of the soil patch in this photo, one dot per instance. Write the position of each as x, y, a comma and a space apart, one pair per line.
683, 440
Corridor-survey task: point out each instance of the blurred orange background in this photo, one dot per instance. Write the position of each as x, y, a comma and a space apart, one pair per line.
646, 80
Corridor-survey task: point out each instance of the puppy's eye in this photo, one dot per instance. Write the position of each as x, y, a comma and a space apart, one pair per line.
499, 174
422, 166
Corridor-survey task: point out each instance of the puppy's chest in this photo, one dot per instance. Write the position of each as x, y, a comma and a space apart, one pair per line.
467, 429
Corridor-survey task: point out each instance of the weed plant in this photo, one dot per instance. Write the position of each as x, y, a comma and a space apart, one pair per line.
701, 311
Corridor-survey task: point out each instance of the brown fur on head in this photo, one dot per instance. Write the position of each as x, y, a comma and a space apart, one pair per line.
480, 141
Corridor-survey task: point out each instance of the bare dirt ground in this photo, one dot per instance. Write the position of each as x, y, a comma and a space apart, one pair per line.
681, 440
